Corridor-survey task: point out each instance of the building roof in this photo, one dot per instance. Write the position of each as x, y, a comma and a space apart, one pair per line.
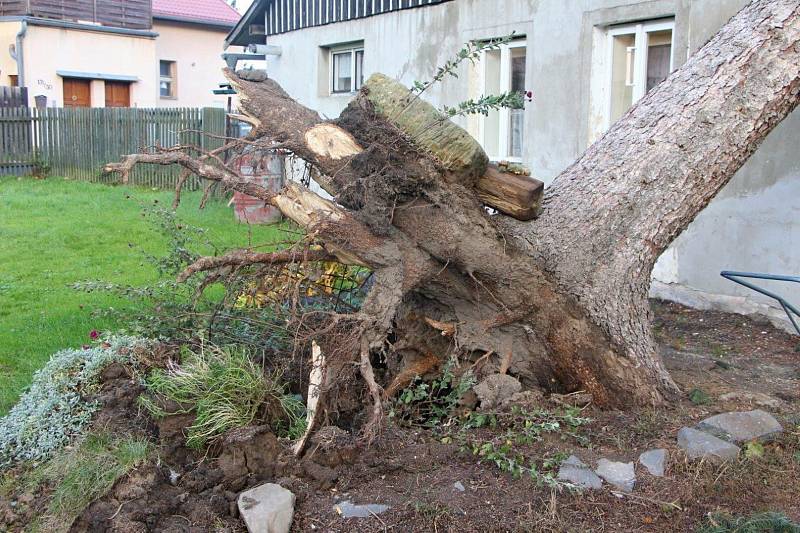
213, 12
271, 17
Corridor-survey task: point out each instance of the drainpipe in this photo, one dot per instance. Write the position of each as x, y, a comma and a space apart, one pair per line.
19, 54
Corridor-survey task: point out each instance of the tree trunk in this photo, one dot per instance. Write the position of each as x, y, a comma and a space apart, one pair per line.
565, 295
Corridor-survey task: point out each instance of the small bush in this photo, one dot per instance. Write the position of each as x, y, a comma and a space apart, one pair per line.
225, 389
53, 410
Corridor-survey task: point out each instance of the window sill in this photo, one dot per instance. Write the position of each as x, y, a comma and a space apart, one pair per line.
168, 97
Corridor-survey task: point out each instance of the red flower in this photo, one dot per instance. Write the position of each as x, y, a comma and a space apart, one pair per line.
93, 334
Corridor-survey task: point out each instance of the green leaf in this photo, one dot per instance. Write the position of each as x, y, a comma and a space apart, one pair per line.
698, 397
754, 449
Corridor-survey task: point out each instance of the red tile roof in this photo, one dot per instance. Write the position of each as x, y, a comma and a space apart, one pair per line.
210, 11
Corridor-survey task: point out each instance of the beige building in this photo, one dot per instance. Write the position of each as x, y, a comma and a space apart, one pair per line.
164, 54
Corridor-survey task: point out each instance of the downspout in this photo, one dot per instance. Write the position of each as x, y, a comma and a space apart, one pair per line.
19, 54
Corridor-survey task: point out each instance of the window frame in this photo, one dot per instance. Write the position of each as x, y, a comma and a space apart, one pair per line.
172, 79
356, 84
640, 31
504, 123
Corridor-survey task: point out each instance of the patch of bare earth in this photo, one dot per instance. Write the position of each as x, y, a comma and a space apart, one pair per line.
414, 473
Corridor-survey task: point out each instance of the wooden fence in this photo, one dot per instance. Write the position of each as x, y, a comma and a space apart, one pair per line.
13, 96
77, 142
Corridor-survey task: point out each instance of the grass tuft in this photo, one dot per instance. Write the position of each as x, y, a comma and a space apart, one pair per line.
225, 389
758, 523
87, 473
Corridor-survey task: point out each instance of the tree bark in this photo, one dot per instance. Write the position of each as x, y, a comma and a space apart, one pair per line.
565, 295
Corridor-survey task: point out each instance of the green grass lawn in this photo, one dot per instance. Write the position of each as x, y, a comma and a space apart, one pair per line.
54, 233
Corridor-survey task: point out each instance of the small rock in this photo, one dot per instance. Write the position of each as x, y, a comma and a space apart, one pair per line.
459, 486
268, 508
699, 444
742, 426
579, 474
527, 398
575, 399
495, 389
621, 475
347, 510
756, 398
654, 461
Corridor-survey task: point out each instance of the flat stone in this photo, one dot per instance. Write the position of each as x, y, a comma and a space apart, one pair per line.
620, 475
742, 426
459, 486
495, 389
348, 510
268, 508
654, 461
579, 474
699, 444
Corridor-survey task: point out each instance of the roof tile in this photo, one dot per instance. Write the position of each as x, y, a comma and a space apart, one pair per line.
214, 11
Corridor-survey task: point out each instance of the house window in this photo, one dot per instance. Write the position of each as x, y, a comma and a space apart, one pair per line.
347, 69
168, 79
640, 57
13, 80
502, 132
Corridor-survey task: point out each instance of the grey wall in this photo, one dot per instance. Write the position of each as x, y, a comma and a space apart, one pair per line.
752, 224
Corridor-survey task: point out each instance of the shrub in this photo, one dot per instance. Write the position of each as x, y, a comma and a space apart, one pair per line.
53, 410
225, 389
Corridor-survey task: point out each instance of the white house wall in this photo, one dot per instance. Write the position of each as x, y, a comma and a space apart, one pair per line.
752, 224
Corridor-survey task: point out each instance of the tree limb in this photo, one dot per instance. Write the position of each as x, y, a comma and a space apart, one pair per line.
239, 258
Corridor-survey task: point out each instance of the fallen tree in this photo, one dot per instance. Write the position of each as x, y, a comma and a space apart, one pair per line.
562, 298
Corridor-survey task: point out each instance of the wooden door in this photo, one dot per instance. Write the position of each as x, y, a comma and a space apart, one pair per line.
118, 94
77, 92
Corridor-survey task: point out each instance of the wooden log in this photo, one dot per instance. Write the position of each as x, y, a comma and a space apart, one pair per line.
511, 194
460, 153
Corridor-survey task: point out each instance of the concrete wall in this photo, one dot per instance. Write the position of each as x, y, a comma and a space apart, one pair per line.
48, 50
197, 52
752, 225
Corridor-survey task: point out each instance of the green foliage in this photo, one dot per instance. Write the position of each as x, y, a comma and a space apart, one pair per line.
81, 475
41, 168
517, 429
753, 449
484, 104
469, 52
225, 389
699, 397
757, 523
432, 404
53, 410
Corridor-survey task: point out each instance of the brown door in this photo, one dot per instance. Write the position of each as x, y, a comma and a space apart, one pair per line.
118, 94
77, 92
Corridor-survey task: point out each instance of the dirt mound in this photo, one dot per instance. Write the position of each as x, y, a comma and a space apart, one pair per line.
430, 483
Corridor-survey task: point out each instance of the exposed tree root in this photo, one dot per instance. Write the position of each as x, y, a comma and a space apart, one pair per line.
561, 299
